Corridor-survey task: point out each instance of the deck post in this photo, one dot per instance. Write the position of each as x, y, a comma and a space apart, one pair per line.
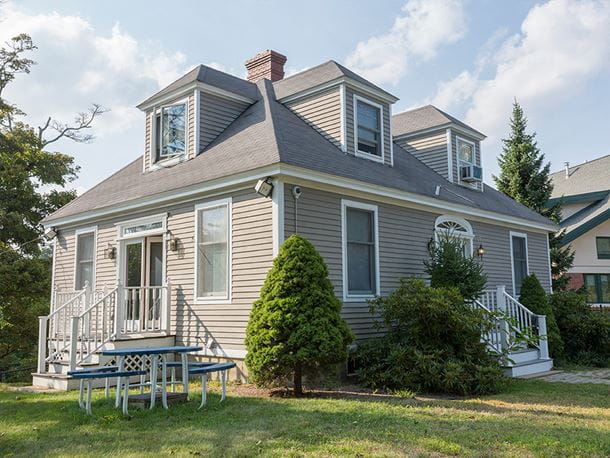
73, 342
542, 334
42, 343
119, 310
167, 304
88, 302
501, 308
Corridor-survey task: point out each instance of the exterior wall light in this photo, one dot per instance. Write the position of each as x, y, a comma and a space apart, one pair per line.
50, 233
480, 251
172, 244
264, 187
110, 252
431, 244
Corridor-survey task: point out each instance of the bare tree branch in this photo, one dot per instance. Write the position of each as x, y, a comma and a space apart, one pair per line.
76, 132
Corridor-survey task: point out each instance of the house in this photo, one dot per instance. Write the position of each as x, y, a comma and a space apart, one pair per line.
175, 246
584, 191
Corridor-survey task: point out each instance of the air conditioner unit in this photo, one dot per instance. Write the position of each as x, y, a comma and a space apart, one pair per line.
471, 173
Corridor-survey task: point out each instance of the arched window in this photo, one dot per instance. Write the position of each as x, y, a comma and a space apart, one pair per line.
454, 227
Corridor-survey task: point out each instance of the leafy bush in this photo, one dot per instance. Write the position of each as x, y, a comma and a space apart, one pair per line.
433, 344
534, 297
295, 326
449, 267
585, 333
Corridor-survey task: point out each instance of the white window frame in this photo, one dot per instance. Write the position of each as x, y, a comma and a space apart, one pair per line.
522, 235
364, 154
171, 160
468, 236
77, 233
226, 299
374, 209
121, 226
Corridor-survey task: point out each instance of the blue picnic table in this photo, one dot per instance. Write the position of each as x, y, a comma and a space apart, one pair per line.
155, 354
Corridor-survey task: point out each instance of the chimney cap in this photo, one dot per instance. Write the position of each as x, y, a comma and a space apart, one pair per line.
267, 64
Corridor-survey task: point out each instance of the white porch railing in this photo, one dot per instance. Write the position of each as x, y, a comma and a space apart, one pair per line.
87, 320
514, 318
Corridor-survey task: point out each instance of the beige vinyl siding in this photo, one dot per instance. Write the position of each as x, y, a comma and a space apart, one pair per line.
322, 111
431, 149
65, 252
477, 156
215, 115
105, 268
349, 126
404, 234
191, 151
252, 255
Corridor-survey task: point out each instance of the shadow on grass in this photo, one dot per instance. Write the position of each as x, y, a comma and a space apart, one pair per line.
53, 424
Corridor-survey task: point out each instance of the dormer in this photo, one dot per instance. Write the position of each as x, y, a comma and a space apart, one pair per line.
443, 143
186, 116
346, 109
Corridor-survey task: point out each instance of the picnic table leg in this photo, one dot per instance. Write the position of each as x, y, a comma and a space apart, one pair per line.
185, 374
143, 376
117, 402
80, 395
153, 380
164, 381
126, 398
89, 397
107, 388
173, 379
223, 377
204, 390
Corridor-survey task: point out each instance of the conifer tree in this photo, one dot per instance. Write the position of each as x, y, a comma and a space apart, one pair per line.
295, 327
524, 176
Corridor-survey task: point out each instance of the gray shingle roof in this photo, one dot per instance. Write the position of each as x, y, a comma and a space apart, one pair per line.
213, 77
423, 118
592, 176
318, 75
268, 133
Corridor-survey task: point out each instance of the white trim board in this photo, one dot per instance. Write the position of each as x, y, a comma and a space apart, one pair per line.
347, 297
277, 215
449, 155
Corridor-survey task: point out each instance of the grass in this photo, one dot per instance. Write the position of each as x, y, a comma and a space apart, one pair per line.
532, 418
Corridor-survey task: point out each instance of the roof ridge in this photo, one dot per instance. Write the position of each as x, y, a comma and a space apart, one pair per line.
581, 164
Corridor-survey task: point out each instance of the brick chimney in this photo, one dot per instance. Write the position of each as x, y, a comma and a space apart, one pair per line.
266, 65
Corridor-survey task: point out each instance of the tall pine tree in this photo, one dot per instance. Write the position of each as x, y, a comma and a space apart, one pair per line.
524, 176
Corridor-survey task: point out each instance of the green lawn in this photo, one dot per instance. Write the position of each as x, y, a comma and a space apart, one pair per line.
532, 418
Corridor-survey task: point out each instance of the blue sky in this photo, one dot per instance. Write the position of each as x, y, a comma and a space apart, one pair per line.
468, 57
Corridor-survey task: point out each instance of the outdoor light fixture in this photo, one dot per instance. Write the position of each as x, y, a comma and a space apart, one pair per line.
431, 244
172, 244
480, 251
110, 252
264, 187
50, 233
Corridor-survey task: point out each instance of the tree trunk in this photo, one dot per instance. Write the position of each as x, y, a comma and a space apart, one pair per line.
298, 380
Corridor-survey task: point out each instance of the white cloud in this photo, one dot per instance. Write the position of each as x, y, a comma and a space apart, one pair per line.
78, 65
562, 45
423, 27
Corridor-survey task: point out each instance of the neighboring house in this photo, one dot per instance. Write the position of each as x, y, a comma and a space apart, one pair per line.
584, 191
176, 245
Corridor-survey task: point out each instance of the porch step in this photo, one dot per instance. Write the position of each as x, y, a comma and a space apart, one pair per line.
529, 368
524, 356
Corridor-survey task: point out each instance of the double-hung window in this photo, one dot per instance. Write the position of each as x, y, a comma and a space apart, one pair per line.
85, 259
213, 251
518, 243
603, 247
360, 250
170, 128
598, 288
369, 138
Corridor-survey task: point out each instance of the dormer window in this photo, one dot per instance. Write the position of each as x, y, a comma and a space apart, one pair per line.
469, 172
465, 152
369, 128
170, 128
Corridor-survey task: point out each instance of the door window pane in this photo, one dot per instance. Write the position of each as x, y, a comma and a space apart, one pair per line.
156, 264
84, 259
361, 273
134, 264
519, 262
212, 252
